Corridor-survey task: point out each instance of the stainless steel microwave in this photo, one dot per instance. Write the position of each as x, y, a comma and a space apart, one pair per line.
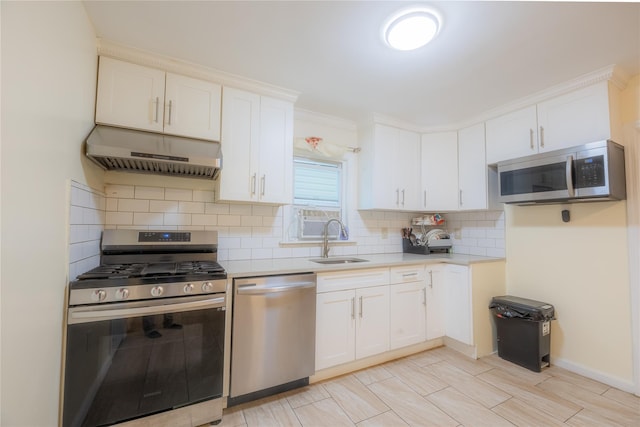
588, 172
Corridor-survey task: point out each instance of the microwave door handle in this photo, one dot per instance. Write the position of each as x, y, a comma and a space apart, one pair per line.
569, 176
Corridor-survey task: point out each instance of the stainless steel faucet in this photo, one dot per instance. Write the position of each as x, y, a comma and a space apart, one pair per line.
325, 239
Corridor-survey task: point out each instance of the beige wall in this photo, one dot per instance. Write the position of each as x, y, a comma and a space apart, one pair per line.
581, 268
48, 91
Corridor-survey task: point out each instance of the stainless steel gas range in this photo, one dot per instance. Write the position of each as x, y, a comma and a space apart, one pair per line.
145, 330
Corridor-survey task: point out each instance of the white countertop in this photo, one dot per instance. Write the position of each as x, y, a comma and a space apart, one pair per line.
265, 267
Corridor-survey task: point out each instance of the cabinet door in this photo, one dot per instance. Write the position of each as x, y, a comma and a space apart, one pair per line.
372, 321
240, 135
435, 295
576, 118
472, 168
512, 135
129, 95
458, 308
407, 172
440, 171
276, 151
407, 308
335, 328
192, 107
386, 188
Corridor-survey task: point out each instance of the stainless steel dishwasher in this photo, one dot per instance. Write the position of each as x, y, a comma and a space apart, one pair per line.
273, 335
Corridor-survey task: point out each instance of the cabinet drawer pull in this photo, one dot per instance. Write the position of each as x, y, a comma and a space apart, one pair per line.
461, 203
431, 278
353, 307
415, 273
263, 184
425, 198
397, 196
361, 307
403, 197
541, 137
424, 293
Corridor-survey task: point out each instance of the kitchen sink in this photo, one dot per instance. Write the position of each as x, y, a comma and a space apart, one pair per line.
337, 260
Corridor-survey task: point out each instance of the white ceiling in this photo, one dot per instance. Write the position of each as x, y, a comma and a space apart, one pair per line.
488, 54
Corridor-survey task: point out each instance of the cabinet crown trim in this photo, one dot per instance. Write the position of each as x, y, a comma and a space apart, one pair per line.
168, 64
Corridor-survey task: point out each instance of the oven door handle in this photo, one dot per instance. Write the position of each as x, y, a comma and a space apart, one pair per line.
95, 315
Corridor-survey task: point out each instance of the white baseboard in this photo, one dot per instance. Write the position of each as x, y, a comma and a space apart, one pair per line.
576, 368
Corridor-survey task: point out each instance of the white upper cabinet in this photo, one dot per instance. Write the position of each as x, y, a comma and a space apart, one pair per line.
192, 107
578, 117
138, 97
472, 169
257, 144
389, 169
512, 135
439, 171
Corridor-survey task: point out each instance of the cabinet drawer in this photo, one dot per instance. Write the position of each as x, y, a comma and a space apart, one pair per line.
410, 273
352, 279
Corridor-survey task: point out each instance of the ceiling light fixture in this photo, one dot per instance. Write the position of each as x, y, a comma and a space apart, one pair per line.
411, 28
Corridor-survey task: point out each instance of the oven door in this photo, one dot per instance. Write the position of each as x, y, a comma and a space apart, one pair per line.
130, 360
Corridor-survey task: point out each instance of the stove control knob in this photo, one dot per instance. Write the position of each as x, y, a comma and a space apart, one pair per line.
122, 293
157, 291
207, 287
188, 288
99, 295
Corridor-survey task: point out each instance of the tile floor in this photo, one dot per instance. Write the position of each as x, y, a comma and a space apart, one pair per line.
441, 387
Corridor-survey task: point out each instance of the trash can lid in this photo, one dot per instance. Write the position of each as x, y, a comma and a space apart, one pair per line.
536, 309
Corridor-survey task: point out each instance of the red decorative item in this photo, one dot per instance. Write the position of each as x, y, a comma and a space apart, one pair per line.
313, 141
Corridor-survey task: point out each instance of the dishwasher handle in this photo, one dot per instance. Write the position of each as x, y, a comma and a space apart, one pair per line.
255, 289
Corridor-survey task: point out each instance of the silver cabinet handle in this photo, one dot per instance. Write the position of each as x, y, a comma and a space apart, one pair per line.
157, 102
410, 274
397, 196
253, 184
541, 136
263, 182
353, 307
424, 293
431, 278
169, 116
425, 198
567, 171
461, 203
361, 307
403, 197
531, 138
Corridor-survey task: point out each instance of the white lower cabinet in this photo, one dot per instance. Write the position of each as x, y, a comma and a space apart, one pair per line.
435, 297
352, 316
407, 306
457, 304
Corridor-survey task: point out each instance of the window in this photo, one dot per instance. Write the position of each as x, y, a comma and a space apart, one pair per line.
318, 187
317, 183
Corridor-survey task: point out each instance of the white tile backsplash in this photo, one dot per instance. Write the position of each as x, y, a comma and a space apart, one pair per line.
86, 222
249, 231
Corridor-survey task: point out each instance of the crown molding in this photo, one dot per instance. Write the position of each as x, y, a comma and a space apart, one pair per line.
325, 119
166, 63
610, 73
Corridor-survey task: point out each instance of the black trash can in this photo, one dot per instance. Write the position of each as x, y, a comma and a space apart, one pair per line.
524, 330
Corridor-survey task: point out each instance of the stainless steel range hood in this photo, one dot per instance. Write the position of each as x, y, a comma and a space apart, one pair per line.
145, 152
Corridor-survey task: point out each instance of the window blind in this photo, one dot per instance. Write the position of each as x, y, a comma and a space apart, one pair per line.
317, 183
